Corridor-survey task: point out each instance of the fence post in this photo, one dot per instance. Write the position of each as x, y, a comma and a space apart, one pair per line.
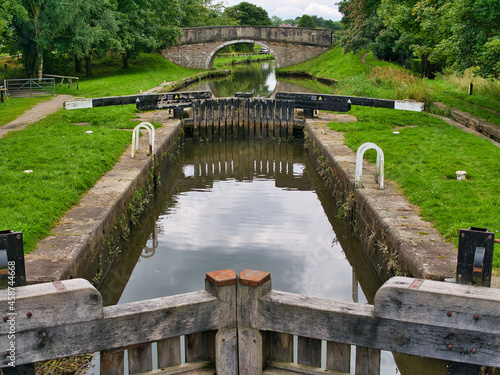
252, 286
222, 284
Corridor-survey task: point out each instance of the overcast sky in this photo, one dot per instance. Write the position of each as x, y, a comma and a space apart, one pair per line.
286, 9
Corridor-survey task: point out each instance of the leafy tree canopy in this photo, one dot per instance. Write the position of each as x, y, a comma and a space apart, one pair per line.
307, 21
246, 14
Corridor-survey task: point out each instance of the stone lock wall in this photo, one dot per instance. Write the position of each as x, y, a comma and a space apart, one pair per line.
198, 46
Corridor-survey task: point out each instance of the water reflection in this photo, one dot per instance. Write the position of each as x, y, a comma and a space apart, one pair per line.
258, 78
242, 205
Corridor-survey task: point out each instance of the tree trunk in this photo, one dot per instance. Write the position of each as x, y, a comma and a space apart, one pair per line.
39, 63
126, 58
426, 66
88, 68
78, 65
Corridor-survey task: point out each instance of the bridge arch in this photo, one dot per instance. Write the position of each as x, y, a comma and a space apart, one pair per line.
211, 57
197, 46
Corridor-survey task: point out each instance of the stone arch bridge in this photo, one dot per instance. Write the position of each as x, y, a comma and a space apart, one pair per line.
290, 45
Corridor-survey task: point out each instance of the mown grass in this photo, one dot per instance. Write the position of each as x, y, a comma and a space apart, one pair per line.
424, 157
423, 160
148, 71
224, 62
385, 80
11, 108
65, 160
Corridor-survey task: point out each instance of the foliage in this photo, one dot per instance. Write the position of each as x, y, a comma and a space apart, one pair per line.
203, 13
461, 33
307, 21
146, 25
146, 71
246, 14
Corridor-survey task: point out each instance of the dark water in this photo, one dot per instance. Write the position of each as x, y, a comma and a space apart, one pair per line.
258, 78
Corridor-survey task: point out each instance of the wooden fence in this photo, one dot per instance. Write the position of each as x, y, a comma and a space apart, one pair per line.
239, 325
243, 118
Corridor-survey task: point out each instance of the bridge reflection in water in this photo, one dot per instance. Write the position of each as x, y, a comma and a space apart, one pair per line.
244, 161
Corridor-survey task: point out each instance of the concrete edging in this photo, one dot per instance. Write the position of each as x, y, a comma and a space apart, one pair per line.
393, 235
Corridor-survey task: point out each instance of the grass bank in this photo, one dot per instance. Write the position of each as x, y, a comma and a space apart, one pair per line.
12, 108
64, 159
226, 62
424, 157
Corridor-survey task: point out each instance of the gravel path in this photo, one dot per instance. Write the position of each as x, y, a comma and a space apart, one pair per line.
38, 112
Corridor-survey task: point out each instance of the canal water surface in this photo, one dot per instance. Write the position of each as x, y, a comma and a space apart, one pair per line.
239, 205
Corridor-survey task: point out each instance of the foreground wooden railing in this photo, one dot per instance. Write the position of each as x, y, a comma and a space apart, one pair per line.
239, 325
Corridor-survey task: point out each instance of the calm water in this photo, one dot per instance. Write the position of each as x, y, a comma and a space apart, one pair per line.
257, 78
242, 205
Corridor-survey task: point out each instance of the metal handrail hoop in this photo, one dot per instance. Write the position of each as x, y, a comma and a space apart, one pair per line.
135, 139
379, 167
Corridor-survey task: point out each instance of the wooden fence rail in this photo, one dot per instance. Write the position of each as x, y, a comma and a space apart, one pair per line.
239, 325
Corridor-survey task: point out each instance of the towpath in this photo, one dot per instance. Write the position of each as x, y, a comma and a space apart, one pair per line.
38, 112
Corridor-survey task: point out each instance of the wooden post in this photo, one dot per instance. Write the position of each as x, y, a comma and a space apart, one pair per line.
222, 284
252, 286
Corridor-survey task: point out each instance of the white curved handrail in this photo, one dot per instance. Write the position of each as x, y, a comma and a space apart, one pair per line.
135, 138
379, 167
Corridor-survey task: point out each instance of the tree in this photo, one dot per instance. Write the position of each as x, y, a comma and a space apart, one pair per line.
146, 25
93, 28
246, 14
307, 21
362, 24
36, 26
474, 29
195, 13
276, 21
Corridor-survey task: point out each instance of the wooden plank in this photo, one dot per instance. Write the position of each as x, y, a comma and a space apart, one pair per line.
284, 119
291, 119
309, 351
356, 324
338, 356
227, 351
222, 123
196, 119
280, 346
169, 352
277, 120
203, 120
251, 119
250, 351
437, 303
195, 368
283, 368
217, 118
367, 361
200, 346
242, 117
210, 116
140, 359
112, 362
265, 118
270, 125
51, 304
258, 119
235, 109
121, 326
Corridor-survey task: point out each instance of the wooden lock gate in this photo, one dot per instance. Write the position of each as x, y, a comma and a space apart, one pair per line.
239, 325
